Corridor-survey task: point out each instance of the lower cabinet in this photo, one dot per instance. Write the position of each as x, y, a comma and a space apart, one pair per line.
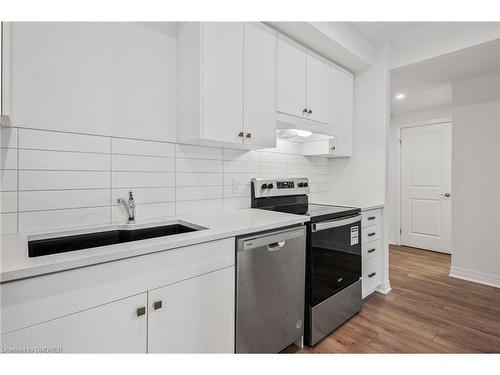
371, 251
193, 316
116, 327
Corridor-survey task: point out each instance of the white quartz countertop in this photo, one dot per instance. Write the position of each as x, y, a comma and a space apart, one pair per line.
15, 263
363, 206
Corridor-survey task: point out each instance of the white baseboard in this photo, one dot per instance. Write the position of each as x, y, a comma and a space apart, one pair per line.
384, 288
475, 276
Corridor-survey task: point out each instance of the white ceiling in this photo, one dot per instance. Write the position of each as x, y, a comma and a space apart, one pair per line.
428, 83
385, 31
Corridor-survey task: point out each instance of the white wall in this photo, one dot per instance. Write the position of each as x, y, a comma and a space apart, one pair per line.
398, 121
476, 180
360, 179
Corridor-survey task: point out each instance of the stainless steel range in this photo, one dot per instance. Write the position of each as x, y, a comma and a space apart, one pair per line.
333, 253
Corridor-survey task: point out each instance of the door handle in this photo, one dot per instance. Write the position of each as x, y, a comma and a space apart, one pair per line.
447, 195
275, 246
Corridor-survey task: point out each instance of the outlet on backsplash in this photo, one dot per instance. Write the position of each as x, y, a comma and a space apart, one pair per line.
237, 185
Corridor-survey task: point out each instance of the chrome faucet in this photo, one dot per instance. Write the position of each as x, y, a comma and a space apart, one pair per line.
130, 207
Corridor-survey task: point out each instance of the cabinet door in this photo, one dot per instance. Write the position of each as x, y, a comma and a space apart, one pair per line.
318, 88
291, 77
260, 85
195, 316
342, 107
222, 60
111, 328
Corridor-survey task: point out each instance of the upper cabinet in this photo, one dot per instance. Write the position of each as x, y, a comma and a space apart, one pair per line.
304, 89
226, 86
342, 110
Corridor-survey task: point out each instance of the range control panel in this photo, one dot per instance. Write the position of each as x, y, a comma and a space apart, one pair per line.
264, 187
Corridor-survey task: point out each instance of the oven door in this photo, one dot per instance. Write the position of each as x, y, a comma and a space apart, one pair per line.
335, 256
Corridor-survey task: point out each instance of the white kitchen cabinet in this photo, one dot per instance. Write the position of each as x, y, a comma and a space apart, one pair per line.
304, 87
318, 92
116, 327
342, 110
372, 257
292, 62
226, 84
260, 82
193, 316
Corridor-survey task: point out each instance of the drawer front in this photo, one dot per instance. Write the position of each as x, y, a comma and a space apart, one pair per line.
371, 217
371, 249
371, 233
39, 299
372, 277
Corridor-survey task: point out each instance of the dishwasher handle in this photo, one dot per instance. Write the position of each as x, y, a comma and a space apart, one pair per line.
276, 245
273, 241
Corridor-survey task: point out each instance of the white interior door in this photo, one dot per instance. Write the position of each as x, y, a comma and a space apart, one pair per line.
426, 187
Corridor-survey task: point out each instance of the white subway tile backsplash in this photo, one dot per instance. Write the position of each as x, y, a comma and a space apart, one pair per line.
133, 163
60, 199
243, 178
145, 148
8, 201
119, 214
8, 223
8, 137
145, 195
142, 179
198, 165
236, 203
190, 207
272, 157
240, 155
59, 219
189, 193
63, 160
236, 166
54, 180
198, 179
197, 152
8, 158
51, 140
8, 180
68, 180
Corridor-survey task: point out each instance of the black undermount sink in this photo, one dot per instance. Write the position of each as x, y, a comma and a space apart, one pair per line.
63, 244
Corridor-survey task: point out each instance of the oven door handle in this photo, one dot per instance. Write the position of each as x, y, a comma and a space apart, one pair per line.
335, 223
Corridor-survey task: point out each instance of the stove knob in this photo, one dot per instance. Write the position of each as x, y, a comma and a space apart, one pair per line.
306, 184
264, 186
270, 186
300, 184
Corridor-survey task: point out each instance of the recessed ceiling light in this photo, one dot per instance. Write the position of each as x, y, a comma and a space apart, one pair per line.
400, 96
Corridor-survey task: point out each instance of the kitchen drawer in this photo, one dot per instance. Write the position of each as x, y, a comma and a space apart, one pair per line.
371, 274
370, 250
371, 233
371, 217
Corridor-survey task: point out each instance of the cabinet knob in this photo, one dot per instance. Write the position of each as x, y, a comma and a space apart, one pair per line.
140, 311
310, 112
333, 148
371, 218
371, 251
249, 135
371, 234
241, 134
157, 305
305, 110
372, 274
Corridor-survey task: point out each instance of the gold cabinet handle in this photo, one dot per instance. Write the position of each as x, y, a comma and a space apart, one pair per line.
140, 311
241, 134
157, 305
249, 135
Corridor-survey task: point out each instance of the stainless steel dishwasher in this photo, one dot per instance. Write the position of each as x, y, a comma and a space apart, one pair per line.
270, 287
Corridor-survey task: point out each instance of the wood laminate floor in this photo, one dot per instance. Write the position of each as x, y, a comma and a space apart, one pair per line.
426, 312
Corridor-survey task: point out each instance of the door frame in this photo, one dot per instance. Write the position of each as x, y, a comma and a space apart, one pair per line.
397, 165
